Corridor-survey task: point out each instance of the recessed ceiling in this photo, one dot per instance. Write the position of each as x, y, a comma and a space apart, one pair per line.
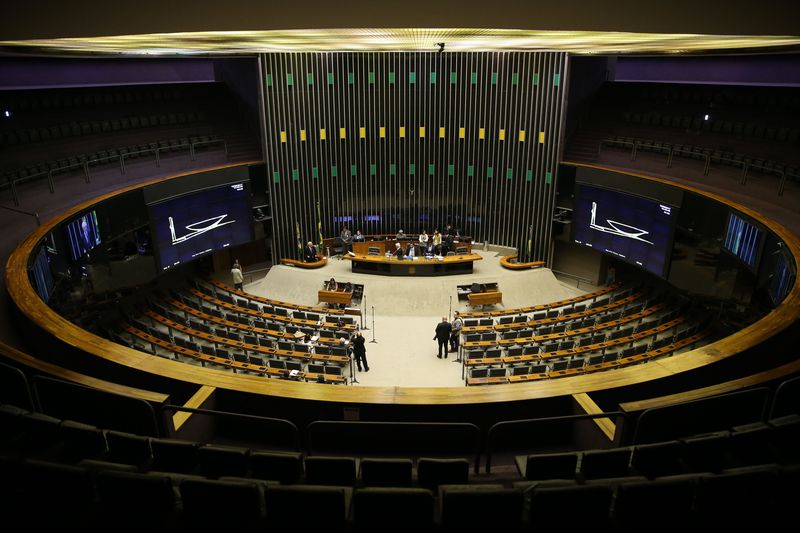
400, 39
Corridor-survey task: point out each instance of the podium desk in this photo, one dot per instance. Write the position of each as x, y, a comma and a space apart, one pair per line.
335, 297
391, 266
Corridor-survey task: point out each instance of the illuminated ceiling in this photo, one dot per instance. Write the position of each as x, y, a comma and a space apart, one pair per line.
354, 40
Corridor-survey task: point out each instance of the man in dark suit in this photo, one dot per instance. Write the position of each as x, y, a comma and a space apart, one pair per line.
360, 352
310, 253
398, 251
411, 249
443, 336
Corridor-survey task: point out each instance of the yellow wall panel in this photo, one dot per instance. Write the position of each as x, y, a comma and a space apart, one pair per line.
402, 131
283, 136
362, 132
422, 132
482, 133
502, 135
383, 132
541, 137
461, 133
302, 135
522, 136
441, 132
322, 135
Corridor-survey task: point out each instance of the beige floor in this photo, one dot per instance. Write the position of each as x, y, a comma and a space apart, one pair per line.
406, 311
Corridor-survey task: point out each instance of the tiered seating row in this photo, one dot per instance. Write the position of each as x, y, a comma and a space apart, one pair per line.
252, 364
544, 307
95, 473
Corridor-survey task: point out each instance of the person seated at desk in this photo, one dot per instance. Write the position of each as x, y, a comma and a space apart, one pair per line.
428, 249
331, 285
476, 288
447, 245
400, 235
310, 253
358, 237
398, 251
348, 287
411, 250
423, 238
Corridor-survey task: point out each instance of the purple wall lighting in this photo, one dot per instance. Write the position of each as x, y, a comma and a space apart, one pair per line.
44, 73
778, 70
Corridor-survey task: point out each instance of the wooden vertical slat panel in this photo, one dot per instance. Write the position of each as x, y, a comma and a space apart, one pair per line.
496, 209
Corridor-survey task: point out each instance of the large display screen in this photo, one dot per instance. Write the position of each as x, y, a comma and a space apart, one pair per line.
83, 234
192, 225
744, 240
630, 227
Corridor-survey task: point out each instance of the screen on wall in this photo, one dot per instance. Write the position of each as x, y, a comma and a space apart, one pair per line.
744, 240
83, 235
192, 225
632, 228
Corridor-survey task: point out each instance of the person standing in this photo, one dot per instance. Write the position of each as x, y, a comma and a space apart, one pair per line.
347, 239
437, 242
455, 333
238, 276
360, 352
310, 253
443, 336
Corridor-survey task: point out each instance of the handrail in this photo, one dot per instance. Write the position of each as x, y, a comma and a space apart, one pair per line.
585, 280
29, 213
782, 174
292, 432
121, 157
381, 433
499, 427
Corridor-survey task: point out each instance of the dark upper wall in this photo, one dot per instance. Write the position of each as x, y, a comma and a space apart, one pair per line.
39, 73
730, 70
98, 18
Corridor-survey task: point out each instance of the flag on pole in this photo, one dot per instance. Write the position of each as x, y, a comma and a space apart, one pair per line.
319, 228
299, 240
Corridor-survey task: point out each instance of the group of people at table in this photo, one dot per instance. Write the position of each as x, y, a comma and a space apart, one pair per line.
425, 245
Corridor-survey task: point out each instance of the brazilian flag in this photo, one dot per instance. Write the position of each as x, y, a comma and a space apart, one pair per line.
299, 240
319, 229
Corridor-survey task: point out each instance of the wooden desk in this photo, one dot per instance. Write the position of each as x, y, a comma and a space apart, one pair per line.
485, 298
334, 297
362, 248
391, 266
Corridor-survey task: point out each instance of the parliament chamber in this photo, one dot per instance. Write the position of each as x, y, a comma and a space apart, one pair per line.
649, 178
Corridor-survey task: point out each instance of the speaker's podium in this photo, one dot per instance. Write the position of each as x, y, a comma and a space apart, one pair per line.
484, 298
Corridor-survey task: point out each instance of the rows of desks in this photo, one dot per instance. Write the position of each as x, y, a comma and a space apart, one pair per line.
268, 301
539, 357
256, 348
625, 361
236, 365
268, 316
544, 307
644, 313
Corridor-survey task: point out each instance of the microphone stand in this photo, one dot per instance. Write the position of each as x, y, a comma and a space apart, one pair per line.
373, 326
363, 305
352, 364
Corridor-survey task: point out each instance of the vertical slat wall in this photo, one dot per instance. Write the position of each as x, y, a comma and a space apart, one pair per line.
388, 141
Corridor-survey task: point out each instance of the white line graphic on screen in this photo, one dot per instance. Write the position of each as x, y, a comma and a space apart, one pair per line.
194, 231
615, 228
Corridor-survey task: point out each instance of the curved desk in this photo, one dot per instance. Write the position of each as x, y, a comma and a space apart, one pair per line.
391, 266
